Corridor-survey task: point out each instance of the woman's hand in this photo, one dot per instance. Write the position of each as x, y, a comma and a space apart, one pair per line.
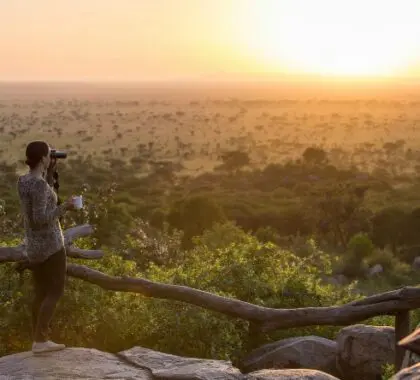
53, 165
50, 171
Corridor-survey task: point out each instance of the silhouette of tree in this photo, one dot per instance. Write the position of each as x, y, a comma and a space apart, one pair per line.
314, 155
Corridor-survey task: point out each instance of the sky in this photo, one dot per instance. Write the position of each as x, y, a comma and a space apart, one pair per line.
136, 40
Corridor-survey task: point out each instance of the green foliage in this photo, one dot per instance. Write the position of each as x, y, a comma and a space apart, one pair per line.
251, 271
360, 246
221, 235
294, 205
267, 234
387, 227
145, 244
388, 371
225, 261
194, 215
396, 273
389, 262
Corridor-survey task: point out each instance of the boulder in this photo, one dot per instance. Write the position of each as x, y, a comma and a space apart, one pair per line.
70, 363
341, 279
363, 351
375, 270
310, 352
166, 366
289, 374
416, 263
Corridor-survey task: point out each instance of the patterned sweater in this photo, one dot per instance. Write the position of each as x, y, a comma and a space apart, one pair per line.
43, 233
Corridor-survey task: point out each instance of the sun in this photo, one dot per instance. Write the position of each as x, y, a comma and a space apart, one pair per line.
337, 38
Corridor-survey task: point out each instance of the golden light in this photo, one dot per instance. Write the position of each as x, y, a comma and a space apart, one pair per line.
337, 37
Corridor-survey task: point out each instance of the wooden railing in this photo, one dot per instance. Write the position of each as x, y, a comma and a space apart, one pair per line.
261, 319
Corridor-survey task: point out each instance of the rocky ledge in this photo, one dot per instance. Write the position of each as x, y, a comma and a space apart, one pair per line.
140, 363
134, 364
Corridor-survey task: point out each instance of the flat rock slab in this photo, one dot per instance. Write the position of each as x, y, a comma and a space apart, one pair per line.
70, 363
171, 367
289, 374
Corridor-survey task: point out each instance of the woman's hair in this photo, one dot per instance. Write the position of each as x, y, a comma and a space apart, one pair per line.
35, 151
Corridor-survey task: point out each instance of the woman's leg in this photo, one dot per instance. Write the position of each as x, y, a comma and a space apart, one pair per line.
54, 274
39, 290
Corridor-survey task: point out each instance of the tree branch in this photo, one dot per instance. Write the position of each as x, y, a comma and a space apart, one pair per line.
77, 232
90, 254
267, 318
8, 254
18, 253
263, 318
228, 306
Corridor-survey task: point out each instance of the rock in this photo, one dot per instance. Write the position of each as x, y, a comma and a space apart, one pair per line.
310, 352
289, 374
363, 350
375, 270
410, 373
416, 263
334, 280
70, 363
342, 280
166, 366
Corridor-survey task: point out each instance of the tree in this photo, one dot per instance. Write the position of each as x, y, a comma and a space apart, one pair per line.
234, 160
387, 227
340, 212
412, 226
194, 215
314, 155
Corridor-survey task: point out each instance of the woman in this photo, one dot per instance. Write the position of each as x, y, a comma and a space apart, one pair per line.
44, 240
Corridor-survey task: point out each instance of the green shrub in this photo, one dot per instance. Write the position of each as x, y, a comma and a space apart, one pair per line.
267, 234
225, 261
388, 371
360, 246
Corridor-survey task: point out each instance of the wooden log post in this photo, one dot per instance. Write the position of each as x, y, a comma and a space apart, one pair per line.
402, 329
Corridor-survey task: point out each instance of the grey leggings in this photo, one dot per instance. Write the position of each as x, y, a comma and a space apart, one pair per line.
49, 277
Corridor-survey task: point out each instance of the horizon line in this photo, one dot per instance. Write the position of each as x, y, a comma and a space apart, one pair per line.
244, 80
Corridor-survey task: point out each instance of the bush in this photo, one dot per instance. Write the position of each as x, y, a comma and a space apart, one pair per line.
396, 272
193, 215
360, 246
245, 269
267, 234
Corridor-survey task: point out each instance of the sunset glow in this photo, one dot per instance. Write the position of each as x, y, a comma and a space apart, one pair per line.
217, 39
369, 38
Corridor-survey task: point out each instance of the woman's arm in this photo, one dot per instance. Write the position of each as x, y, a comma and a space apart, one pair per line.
40, 215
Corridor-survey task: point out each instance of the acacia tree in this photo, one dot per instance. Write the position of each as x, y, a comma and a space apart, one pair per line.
314, 156
234, 160
341, 212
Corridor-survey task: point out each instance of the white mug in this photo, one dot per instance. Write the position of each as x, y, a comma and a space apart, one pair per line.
78, 202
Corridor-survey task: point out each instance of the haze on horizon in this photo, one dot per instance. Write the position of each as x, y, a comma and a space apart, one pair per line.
136, 40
